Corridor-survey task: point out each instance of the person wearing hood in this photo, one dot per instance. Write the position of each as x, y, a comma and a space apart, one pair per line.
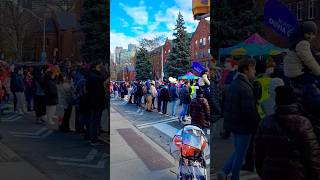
268, 105
286, 146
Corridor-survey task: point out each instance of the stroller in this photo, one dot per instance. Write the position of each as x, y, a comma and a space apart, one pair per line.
189, 145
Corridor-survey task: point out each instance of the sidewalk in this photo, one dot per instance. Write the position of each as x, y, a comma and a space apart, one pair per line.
134, 156
14, 167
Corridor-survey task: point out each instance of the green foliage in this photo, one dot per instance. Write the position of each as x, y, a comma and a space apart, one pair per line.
232, 21
178, 61
143, 65
94, 24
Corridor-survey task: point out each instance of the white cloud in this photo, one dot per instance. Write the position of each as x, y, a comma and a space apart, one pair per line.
120, 39
139, 14
123, 22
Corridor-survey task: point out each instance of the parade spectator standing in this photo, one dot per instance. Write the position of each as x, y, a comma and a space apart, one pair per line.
200, 111
29, 89
148, 96
165, 98
185, 99
241, 117
173, 90
66, 92
268, 105
153, 93
204, 83
286, 146
115, 90
139, 94
17, 88
51, 91
158, 98
79, 87
96, 101
39, 95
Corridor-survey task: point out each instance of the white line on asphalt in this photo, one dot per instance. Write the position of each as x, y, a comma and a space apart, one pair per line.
88, 158
156, 122
11, 119
31, 134
167, 129
101, 164
36, 137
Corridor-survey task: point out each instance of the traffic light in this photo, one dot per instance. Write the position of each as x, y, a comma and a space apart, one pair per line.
200, 8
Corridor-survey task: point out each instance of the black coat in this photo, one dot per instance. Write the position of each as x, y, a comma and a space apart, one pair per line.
51, 91
286, 147
185, 96
164, 94
240, 112
96, 91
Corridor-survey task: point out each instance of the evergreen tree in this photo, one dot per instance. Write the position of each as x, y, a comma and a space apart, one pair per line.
178, 61
94, 24
232, 21
143, 65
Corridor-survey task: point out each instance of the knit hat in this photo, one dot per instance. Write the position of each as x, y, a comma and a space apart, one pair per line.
274, 83
284, 96
309, 26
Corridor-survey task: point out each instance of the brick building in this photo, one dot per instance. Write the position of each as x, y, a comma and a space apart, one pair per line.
156, 58
304, 10
63, 38
200, 43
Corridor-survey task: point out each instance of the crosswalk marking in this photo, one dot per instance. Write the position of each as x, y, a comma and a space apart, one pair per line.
140, 126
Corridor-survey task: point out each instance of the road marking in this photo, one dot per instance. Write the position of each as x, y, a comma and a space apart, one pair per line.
11, 119
31, 134
101, 164
145, 125
88, 157
36, 137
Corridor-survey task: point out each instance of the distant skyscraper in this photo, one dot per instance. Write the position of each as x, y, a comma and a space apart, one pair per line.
131, 47
118, 54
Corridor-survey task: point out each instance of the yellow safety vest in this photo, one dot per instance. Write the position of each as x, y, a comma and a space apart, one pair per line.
264, 81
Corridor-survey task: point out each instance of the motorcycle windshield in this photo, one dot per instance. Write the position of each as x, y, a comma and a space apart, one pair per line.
192, 140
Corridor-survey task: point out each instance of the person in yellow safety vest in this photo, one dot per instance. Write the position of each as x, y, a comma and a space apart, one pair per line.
264, 81
192, 86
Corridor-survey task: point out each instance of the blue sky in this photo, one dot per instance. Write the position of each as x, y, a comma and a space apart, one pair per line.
132, 20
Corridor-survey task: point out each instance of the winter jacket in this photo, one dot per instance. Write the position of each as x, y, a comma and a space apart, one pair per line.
96, 91
51, 91
153, 91
139, 92
185, 95
296, 61
240, 112
173, 93
200, 112
16, 83
286, 147
65, 94
164, 94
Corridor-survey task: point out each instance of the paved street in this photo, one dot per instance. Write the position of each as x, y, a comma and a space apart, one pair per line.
157, 127
53, 155
221, 151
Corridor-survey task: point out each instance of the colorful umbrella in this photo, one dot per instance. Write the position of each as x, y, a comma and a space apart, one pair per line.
189, 76
239, 52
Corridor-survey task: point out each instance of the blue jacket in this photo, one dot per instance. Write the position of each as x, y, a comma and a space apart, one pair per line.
173, 93
17, 83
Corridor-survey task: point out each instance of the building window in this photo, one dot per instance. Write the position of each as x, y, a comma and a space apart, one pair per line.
196, 42
200, 41
299, 10
204, 41
209, 51
311, 9
209, 39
